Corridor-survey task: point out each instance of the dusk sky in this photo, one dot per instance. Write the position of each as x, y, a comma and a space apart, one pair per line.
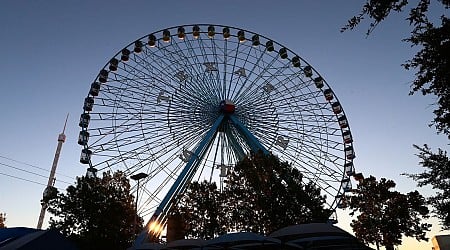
53, 50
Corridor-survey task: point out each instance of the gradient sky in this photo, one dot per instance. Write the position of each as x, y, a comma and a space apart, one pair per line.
53, 50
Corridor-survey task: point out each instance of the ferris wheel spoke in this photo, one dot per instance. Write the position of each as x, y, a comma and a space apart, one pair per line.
220, 54
192, 68
128, 143
136, 96
231, 87
104, 133
252, 88
162, 82
312, 128
172, 61
165, 74
225, 72
243, 74
133, 75
214, 82
143, 79
212, 151
237, 142
235, 150
164, 64
207, 68
200, 66
314, 147
301, 99
155, 197
310, 171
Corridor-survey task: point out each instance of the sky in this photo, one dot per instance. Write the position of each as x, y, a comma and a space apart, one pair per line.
53, 50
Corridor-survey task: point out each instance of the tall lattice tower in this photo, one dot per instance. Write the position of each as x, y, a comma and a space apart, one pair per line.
50, 190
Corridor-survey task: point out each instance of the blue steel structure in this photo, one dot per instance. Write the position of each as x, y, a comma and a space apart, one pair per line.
186, 175
182, 103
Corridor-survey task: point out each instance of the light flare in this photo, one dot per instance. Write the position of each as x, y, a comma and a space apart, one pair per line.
155, 228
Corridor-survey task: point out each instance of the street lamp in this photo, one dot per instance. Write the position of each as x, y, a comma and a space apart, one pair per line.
137, 177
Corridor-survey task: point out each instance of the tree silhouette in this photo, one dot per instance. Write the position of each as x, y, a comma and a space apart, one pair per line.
436, 174
265, 194
384, 215
96, 213
260, 194
431, 64
2, 220
202, 210
432, 60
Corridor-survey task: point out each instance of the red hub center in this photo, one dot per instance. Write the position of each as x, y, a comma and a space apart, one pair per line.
227, 107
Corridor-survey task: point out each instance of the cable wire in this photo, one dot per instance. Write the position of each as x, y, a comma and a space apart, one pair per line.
27, 180
31, 165
29, 172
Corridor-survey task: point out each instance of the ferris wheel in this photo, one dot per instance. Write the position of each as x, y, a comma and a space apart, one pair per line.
187, 103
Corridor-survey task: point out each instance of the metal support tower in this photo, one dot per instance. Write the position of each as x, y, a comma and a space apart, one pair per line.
51, 177
159, 217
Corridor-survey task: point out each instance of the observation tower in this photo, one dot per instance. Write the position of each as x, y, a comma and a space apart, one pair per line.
50, 190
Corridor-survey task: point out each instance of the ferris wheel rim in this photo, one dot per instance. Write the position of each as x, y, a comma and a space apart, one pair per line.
232, 35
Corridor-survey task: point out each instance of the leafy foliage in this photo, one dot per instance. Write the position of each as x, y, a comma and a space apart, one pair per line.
385, 215
202, 208
261, 194
431, 62
376, 10
2, 220
436, 174
265, 194
97, 213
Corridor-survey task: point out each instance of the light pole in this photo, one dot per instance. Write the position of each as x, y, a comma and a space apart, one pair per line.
137, 177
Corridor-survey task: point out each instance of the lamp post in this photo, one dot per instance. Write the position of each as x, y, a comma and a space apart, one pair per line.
137, 177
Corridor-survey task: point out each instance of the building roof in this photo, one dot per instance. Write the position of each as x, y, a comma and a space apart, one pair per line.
323, 236
31, 239
441, 242
296, 232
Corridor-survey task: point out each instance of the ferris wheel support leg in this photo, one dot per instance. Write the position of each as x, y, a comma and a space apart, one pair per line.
179, 184
251, 140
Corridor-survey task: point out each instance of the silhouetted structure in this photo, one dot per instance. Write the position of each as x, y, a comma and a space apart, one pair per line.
323, 236
50, 190
21, 238
441, 242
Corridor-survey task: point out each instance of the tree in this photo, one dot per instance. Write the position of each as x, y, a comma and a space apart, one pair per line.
202, 208
261, 194
384, 216
96, 213
265, 194
436, 174
432, 61
2, 220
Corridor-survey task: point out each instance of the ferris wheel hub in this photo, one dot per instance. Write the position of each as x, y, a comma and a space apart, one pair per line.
227, 107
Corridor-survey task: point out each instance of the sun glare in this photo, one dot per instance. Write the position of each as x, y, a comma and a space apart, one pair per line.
155, 228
